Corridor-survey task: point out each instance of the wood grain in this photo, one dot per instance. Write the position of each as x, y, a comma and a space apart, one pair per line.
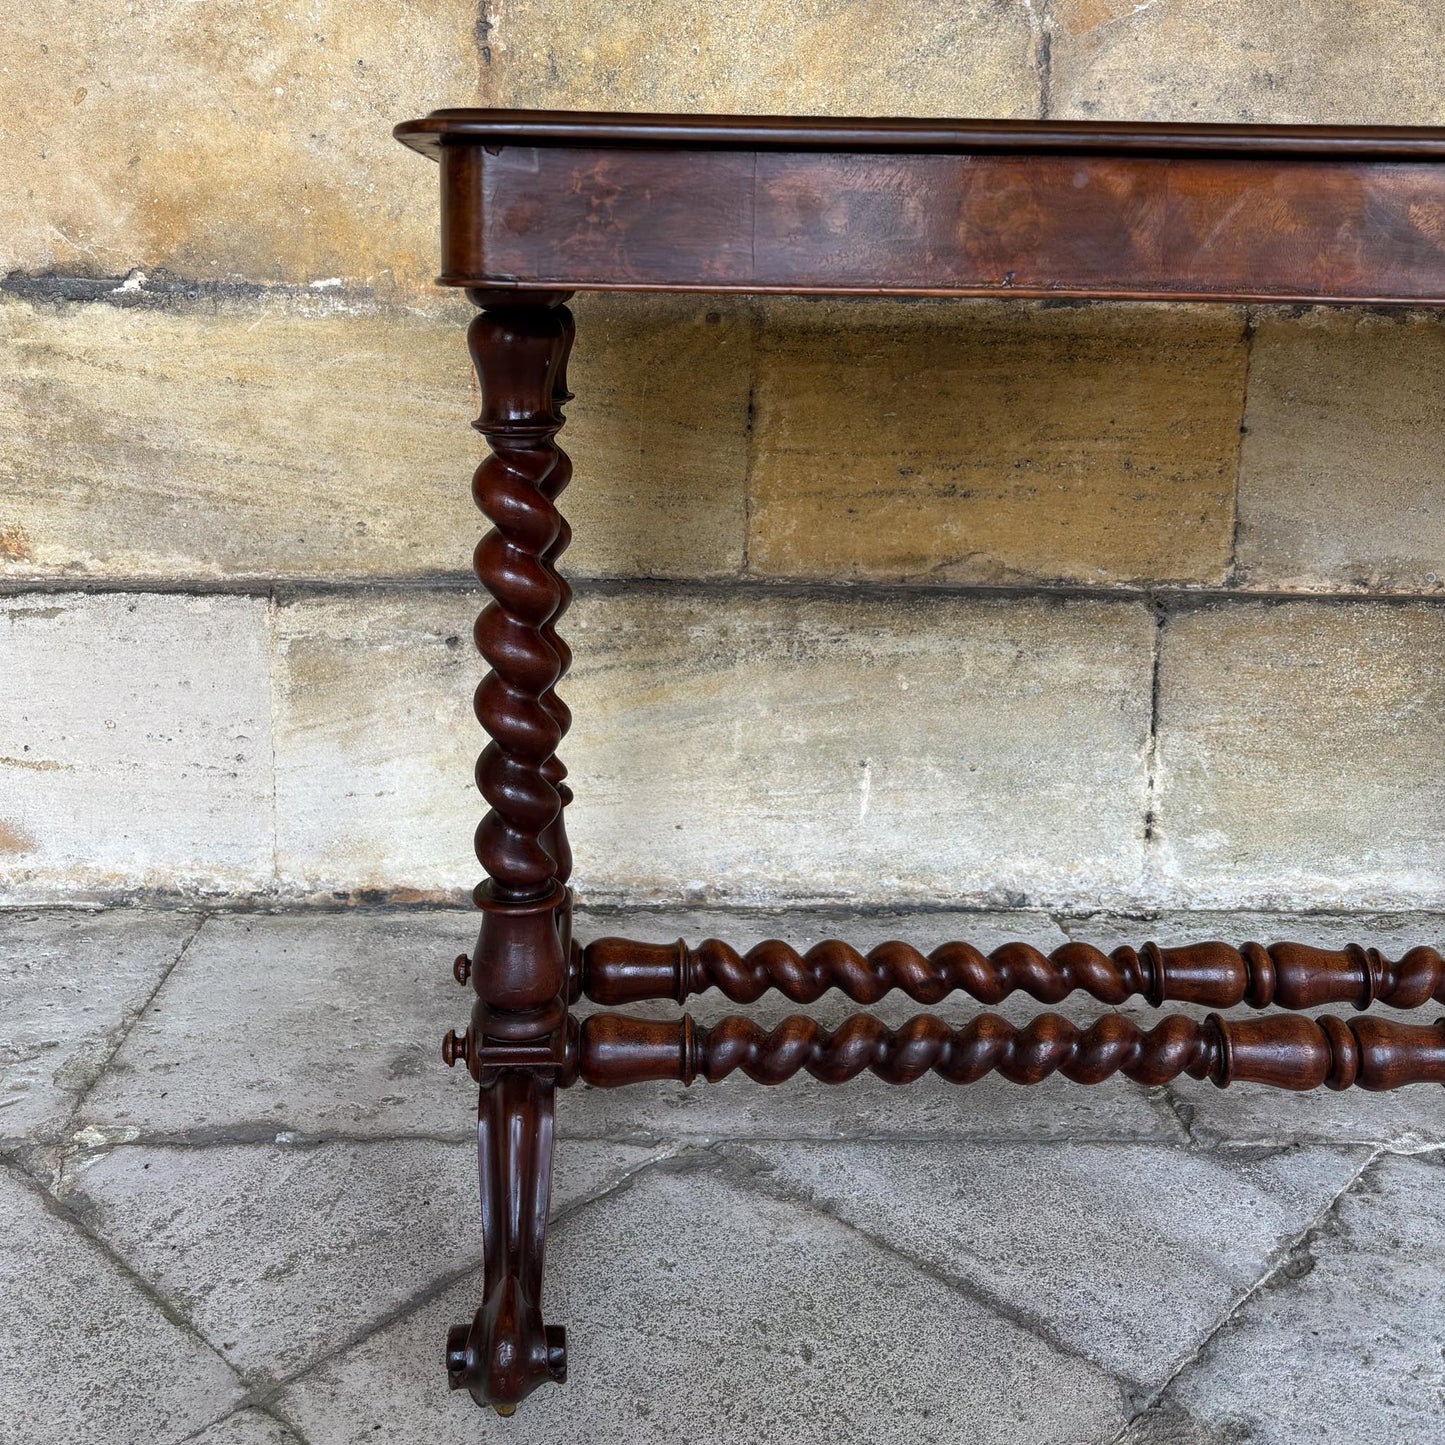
1216, 213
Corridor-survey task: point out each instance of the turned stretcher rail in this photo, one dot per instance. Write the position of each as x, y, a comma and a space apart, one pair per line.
1286, 1052
1216, 975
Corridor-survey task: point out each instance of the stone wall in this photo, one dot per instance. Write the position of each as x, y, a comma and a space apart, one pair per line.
1137, 606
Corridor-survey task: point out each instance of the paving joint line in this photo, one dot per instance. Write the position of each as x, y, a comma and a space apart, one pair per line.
292, 1430
127, 1026
59, 1209
265, 1391
1181, 1110
758, 1182
270, 1139
1276, 1266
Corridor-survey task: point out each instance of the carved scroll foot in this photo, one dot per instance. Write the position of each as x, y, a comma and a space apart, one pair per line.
508, 1351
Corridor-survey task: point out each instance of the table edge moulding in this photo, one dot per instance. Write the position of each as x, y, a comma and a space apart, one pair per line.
539, 204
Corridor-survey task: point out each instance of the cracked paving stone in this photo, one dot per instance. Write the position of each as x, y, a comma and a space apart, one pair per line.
279, 1253
85, 1353
69, 982
1127, 1253
1251, 1113
344, 1015
1343, 1343
700, 1311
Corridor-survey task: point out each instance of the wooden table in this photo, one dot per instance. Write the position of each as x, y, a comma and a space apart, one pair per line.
537, 205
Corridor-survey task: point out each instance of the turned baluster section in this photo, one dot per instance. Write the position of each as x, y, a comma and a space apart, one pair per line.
518, 971
516, 1040
1215, 975
554, 839
1286, 1052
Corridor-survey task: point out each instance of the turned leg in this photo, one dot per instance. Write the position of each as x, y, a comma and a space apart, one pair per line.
552, 487
517, 1037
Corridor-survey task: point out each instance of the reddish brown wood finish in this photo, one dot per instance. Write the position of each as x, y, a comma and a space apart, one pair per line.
507, 1351
1286, 975
977, 209
495, 128
515, 1043
1282, 1050
535, 205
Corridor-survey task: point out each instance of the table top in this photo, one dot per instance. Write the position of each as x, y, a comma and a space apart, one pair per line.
825, 133
563, 201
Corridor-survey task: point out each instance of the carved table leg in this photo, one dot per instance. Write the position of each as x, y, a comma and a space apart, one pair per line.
552, 487
517, 1037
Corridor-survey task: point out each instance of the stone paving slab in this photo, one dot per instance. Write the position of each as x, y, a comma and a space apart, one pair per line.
1412, 1118
312, 1023
276, 1154
85, 1352
1127, 1254
70, 984
1342, 1344
279, 1254
700, 1311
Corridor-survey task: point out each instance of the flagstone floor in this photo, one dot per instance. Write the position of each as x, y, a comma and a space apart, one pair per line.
238, 1207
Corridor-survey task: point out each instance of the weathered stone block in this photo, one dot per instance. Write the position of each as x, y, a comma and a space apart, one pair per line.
292, 436
71, 983
1299, 756
738, 749
830, 57
1342, 475
135, 746
84, 1351
225, 142
990, 442
1228, 60
1341, 1341
1126, 1253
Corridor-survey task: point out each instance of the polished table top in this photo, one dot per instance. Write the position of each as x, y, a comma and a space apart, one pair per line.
561, 201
